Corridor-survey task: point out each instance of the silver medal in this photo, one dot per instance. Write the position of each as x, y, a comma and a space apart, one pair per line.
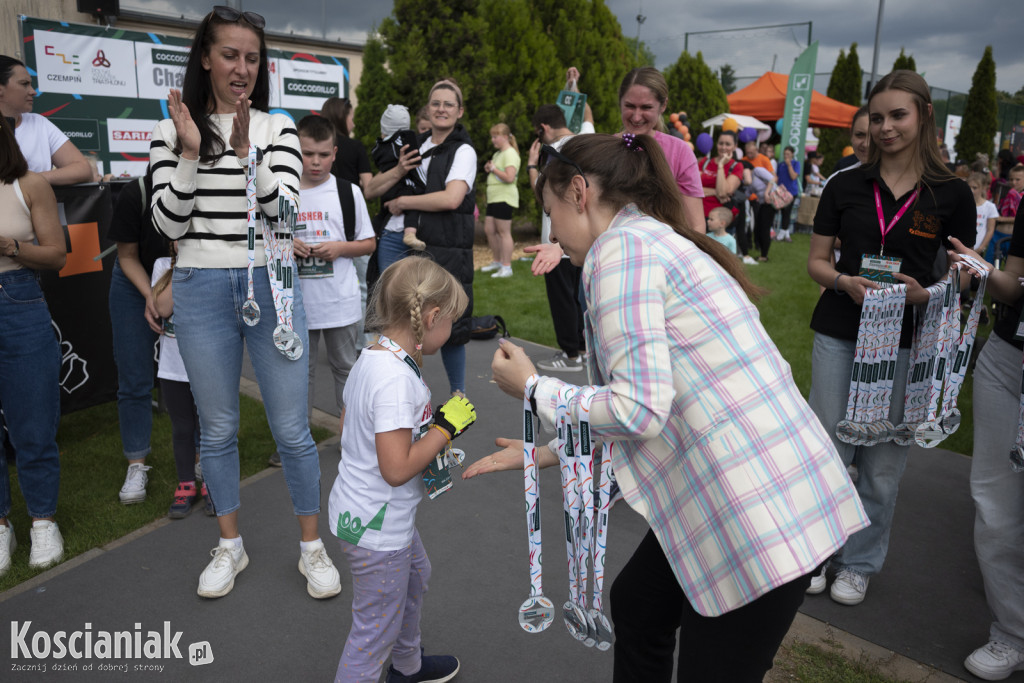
603, 630
287, 342
250, 312
951, 422
575, 620
929, 435
536, 614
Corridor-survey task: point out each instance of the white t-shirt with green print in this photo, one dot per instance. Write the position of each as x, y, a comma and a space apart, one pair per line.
382, 394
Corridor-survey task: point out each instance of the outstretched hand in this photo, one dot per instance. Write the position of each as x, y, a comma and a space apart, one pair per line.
510, 457
548, 257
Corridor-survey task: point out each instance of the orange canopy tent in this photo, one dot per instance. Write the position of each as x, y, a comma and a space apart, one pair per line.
765, 99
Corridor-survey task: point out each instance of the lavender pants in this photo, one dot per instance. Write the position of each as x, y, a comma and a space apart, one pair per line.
387, 593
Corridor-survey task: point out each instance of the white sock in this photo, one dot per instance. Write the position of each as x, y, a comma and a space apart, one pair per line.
236, 542
306, 546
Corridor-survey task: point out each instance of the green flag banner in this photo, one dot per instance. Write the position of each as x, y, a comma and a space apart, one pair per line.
798, 100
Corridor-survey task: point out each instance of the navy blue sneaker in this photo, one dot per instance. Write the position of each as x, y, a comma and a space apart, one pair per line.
435, 669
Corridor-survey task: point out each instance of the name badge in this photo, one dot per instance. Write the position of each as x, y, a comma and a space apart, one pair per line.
880, 268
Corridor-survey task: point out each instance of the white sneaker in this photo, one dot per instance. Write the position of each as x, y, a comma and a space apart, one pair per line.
560, 362
749, 260
7, 545
818, 582
322, 578
134, 489
849, 587
504, 271
491, 267
995, 661
218, 578
47, 544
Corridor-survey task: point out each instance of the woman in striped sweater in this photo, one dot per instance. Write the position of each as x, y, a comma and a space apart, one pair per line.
199, 198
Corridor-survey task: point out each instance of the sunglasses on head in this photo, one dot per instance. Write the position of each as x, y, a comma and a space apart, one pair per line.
551, 153
231, 14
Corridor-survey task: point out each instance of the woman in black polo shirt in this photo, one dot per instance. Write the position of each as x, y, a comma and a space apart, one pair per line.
902, 204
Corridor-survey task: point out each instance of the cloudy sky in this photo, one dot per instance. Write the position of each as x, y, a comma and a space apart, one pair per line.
946, 37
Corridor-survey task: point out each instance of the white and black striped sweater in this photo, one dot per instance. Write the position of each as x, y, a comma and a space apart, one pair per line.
203, 205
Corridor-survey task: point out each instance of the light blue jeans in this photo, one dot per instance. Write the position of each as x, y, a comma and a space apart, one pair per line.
133, 353
29, 393
879, 468
998, 492
210, 332
390, 249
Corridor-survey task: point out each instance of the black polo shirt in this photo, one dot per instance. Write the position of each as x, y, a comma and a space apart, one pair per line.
1006, 325
943, 209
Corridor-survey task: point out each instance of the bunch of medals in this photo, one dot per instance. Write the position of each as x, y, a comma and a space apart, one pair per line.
585, 537
939, 359
277, 244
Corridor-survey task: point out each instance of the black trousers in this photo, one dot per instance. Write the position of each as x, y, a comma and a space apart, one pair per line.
181, 408
764, 216
563, 287
739, 225
648, 607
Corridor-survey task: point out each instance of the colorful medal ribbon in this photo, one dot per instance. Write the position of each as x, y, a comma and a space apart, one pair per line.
574, 618
602, 634
281, 269
921, 366
250, 309
537, 612
962, 346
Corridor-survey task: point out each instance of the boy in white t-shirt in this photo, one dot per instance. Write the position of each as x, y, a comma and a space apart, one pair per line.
324, 249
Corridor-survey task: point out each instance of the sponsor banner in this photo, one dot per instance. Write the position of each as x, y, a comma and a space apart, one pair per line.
85, 65
159, 68
798, 99
305, 85
130, 135
274, 65
85, 133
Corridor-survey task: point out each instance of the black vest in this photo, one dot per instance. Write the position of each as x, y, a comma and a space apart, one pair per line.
449, 234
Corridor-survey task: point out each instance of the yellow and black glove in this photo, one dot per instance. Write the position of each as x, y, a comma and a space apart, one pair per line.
455, 415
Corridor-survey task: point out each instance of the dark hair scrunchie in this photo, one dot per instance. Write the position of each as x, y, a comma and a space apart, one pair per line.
631, 142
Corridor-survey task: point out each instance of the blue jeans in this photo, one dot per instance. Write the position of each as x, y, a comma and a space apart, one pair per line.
29, 393
210, 332
391, 248
879, 468
133, 353
454, 359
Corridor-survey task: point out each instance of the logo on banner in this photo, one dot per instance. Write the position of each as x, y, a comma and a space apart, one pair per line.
302, 88
130, 135
84, 132
101, 60
70, 59
802, 82
170, 58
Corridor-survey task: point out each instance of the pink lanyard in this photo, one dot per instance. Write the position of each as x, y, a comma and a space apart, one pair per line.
883, 228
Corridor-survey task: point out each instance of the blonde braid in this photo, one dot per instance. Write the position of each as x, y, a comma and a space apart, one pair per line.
416, 319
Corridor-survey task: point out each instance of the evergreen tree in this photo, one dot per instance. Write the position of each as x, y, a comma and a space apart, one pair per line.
904, 61
844, 86
374, 93
979, 124
642, 55
587, 35
694, 88
727, 76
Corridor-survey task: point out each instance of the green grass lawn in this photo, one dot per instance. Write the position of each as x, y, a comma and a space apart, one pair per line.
785, 312
92, 471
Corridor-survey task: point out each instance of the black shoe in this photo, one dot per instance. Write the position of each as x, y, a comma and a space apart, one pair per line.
434, 669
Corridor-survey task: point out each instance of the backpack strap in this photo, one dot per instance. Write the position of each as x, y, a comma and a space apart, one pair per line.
348, 208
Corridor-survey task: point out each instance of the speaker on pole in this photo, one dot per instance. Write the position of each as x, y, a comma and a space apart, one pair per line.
100, 8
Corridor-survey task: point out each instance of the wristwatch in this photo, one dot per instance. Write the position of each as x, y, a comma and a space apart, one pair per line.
244, 161
17, 250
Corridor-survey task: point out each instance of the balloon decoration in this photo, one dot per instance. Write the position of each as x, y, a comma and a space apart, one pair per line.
748, 135
731, 125
704, 143
847, 151
778, 126
673, 118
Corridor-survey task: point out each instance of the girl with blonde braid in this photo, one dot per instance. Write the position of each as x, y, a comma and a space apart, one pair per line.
389, 437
